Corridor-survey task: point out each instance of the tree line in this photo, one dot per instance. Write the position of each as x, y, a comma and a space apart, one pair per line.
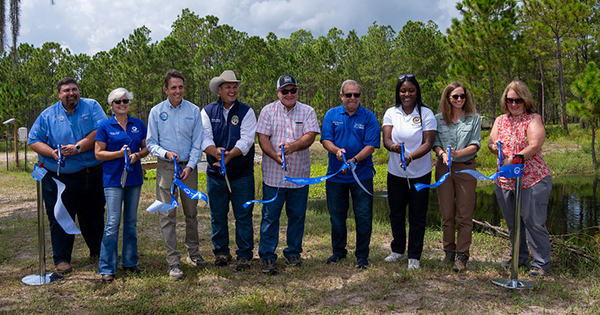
545, 43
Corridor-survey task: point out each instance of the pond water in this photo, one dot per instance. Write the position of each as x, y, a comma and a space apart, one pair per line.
573, 206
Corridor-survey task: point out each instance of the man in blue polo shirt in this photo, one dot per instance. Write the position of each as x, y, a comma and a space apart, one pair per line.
353, 131
71, 123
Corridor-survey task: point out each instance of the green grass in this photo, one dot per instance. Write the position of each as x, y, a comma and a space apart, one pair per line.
573, 288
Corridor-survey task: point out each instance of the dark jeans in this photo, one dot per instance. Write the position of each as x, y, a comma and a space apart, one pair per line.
83, 197
242, 190
338, 202
295, 200
399, 196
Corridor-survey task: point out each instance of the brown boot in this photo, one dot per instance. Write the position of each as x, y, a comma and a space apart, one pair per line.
63, 268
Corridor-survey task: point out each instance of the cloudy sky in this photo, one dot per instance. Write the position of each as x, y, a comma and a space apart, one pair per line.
89, 26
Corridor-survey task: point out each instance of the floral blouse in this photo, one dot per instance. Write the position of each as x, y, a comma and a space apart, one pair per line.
512, 131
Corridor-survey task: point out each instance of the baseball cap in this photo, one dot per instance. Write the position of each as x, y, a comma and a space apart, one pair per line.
286, 79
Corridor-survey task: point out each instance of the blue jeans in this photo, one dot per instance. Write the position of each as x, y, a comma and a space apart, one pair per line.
83, 197
338, 203
242, 190
129, 197
295, 207
400, 196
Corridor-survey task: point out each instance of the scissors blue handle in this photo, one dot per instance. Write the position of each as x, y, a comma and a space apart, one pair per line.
283, 158
402, 158
499, 153
449, 158
222, 169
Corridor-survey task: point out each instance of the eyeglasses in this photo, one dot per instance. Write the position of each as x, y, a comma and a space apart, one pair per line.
406, 76
285, 92
518, 101
125, 101
457, 96
349, 95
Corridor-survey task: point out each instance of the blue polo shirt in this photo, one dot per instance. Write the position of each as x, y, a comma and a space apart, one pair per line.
55, 126
111, 133
353, 133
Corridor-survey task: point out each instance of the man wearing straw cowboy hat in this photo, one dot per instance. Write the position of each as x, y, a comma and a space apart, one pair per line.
228, 141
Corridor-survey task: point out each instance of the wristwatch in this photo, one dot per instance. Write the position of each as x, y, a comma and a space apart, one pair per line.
78, 148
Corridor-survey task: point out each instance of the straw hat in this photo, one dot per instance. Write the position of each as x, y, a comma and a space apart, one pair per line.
226, 76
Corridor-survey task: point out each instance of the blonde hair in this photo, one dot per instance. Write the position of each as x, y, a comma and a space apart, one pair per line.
117, 93
523, 91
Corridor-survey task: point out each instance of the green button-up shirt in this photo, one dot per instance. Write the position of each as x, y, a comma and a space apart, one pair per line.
464, 132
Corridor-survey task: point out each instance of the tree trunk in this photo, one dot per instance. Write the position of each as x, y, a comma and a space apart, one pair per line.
561, 87
593, 124
542, 90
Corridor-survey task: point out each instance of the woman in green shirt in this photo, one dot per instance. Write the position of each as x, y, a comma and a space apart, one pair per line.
459, 126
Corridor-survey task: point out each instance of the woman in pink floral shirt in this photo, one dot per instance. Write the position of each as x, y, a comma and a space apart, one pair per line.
521, 131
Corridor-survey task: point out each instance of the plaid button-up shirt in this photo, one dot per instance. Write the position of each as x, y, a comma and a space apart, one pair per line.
285, 126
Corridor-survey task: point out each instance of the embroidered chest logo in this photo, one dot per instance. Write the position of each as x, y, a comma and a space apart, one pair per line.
416, 120
60, 118
359, 126
135, 129
235, 120
164, 116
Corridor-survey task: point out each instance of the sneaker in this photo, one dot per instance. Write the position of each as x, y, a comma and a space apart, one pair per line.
538, 272
175, 272
449, 259
197, 261
223, 260
508, 264
243, 264
393, 257
107, 278
413, 264
294, 261
461, 262
269, 266
63, 268
334, 259
362, 263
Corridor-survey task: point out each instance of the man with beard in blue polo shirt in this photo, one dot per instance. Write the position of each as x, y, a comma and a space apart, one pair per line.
71, 123
353, 131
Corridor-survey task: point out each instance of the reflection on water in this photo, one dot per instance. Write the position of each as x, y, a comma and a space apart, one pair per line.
573, 206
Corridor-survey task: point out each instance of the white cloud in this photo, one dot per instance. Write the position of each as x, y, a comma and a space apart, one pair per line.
89, 26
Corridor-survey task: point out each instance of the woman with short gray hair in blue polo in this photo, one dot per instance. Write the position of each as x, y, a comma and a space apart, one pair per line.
459, 129
121, 144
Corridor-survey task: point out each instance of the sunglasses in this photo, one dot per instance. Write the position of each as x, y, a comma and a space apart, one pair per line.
517, 101
349, 95
293, 91
406, 76
457, 96
125, 101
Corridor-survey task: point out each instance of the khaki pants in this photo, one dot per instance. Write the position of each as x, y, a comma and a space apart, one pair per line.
167, 219
456, 197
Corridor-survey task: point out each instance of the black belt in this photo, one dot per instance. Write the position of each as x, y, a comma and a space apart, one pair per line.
89, 170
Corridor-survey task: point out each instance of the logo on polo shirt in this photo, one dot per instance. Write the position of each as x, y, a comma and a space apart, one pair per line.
164, 116
337, 123
60, 118
359, 126
235, 120
416, 120
135, 129
114, 133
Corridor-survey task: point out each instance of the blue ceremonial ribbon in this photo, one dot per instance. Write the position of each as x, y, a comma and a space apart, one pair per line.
177, 183
402, 158
506, 171
38, 173
442, 179
61, 214
298, 181
283, 158
357, 180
